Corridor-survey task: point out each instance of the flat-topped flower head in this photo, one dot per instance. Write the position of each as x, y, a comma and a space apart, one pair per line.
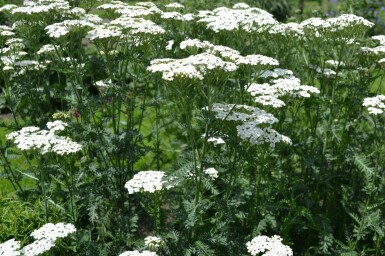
216, 140
104, 32
46, 49
255, 135
248, 19
192, 67
38, 247
380, 39
54, 231
147, 181
256, 60
137, 26
10, 248
375, 105
212, 173
172, 16
137, 253
153, 242
268, 246
242, 113
46, 237
57, 125
45, 141
175, 6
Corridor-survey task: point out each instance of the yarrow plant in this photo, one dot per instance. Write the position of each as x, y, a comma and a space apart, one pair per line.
271, 104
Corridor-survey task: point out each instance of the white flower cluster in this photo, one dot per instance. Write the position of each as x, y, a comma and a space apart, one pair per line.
140, 9
172, 16
277, 72
211, 172
255, 60
146, 181
45, 141
137, 253
287, 29
137, 26
250, 118
216, 140
242, 113
345, 22
6, 31
268, 246
46, 49
375, 104
335, 63
326, 72
104, 32
237, 18
175, 6
10, 248
228, 53
375, 51
58, 30
153, 242
193, 67
105, 83
41, 7
268, 94
380, 39
45, 240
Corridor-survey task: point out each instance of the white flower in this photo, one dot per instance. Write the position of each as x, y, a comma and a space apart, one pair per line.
137, 253
137, 26
287, 29
153, 242
254, 60
53, 231
256, 136
268, 246
193, 67
48, 48
375, 104
226, 19
216, 141
103, 32
243, 113
380, 38
172, 16
211, 172
46, 237
241, 6
10, 248
169, 45
38, 247
277, 72
335, 63
174, 6
146, 181
44, 141
56, 126
104, 83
